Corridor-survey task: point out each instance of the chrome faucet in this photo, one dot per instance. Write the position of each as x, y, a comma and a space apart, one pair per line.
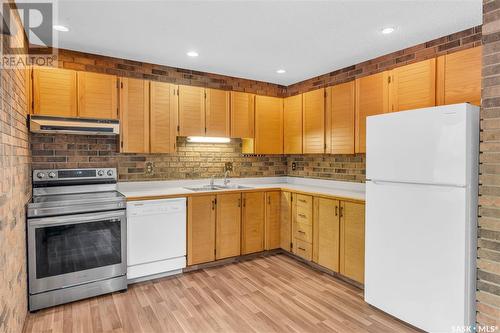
226, 174
212, 179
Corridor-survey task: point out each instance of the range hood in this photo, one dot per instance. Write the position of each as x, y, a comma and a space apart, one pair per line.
82, 126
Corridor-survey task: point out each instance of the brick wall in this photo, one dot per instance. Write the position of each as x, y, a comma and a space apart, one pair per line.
455, 42
488, 274
128, 68
336, 167
192, 160
14, 193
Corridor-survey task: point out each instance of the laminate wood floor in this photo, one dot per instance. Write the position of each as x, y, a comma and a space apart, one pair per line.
267, 294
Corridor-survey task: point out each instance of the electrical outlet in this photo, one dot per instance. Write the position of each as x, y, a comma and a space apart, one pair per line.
149, 168
228, 166
294, 166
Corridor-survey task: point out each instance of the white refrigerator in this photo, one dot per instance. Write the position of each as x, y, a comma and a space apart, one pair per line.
421, 215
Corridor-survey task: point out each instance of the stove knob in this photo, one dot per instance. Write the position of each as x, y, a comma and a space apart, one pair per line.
110, 173
100, 173
40, 175
52, 174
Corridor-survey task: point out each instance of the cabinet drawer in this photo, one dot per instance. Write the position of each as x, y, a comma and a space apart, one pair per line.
303, 232
303, 249
304, 201
303, 215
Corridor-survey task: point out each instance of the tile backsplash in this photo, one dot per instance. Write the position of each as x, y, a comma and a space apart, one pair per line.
192, 160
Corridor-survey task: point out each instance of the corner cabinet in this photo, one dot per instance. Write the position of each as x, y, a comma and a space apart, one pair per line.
268, 125
292, 125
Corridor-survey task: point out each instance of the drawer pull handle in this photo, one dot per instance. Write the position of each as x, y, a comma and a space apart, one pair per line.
302, 232
302, 200
301, 248
302, 215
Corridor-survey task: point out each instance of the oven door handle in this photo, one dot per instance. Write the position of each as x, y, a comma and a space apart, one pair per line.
76, 219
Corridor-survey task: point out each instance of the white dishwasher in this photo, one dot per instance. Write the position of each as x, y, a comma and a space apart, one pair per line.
156, 238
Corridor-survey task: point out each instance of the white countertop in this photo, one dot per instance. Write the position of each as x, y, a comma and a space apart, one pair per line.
349, 190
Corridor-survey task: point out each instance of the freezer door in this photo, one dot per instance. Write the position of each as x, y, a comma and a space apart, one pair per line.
433, 145
418, 257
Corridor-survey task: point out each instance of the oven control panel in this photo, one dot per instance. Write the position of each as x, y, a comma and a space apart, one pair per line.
58, 175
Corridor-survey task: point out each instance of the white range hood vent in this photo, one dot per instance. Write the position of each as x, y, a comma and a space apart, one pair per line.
81, 126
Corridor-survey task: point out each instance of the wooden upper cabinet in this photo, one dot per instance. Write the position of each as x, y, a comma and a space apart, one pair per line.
191, 111
314, 121
340, 114
217, 112
459, 77
326, 241
242, 114
413, 86
134, 115
54, 92
201, 229
97, 95
292, 124
371, 99
253, 217
352, 240
268, 125
272, 230
163, 117
228, 230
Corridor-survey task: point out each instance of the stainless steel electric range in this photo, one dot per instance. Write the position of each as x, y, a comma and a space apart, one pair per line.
76, 236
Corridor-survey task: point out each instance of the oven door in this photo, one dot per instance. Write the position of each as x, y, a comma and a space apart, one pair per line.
69, 250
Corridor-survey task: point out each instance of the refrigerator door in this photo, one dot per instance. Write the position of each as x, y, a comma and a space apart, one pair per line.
430, 145
418, 256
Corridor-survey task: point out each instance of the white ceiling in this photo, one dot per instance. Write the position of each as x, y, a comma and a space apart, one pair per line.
252, 39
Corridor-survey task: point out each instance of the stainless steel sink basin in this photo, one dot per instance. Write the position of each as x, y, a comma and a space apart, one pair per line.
232, 187
216, 187
203, 188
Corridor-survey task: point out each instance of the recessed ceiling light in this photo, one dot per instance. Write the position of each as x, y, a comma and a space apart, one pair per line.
281, 71
388, 30
60, 28
192, 54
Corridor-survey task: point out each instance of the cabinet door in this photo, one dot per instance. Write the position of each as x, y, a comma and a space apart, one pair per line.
268, 125
340, 113
326, 241
242, 114
253, 222
201, 229
371, 99
134, 115
97, 95
191, 111
352, 240
292, 125
413, 86
228, 232
459, 77
314, 122
286, 220
272, 233
54, 92
163, 114
217, 112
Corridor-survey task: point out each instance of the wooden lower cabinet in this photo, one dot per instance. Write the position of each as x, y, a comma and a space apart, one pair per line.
228, 229
272, 221
253, 219
286, 221
302, 221
326, 241
201, 229
352, 240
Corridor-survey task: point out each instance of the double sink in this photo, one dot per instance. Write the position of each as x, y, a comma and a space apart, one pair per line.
216, 187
